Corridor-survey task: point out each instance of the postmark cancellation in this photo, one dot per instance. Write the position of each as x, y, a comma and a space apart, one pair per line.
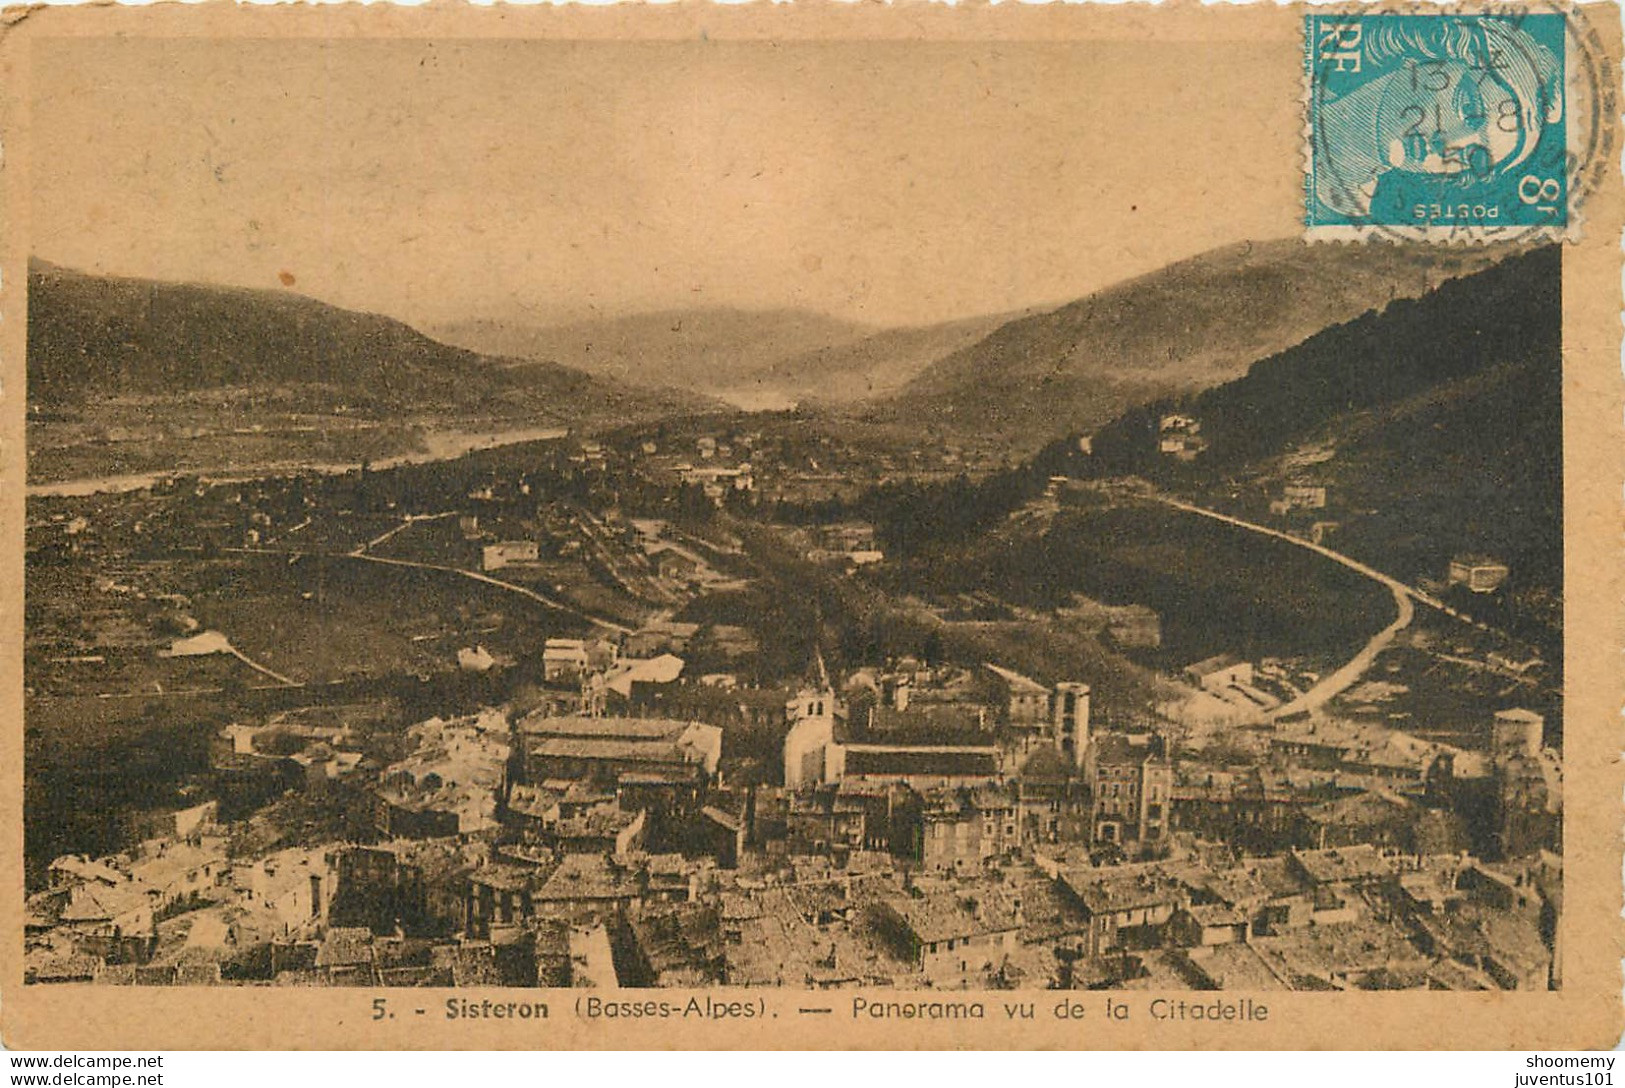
1448, 127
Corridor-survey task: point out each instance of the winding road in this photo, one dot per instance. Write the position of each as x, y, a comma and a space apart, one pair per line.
263, 669
523, 591
362, 556
1406, 598
410, 520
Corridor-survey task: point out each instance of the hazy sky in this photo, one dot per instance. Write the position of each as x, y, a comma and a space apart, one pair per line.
883, 182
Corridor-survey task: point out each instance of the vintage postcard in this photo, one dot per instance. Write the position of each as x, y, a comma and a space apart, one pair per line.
835, 526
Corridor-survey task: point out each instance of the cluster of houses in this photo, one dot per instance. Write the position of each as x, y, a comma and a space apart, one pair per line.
1330, 919
718, 481
1299, 495
850, 544
1180, 437
254, 762
720, 467
646, 561
928, 825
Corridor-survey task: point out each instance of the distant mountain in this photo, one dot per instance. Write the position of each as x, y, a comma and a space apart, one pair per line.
1193, 325
95, 337
875, 366
753, 358
714, 351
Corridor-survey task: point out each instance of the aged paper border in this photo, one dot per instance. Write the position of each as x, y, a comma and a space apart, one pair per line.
1587, 1012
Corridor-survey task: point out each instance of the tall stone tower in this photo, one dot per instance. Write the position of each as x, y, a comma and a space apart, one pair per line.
1071, 718
811, 715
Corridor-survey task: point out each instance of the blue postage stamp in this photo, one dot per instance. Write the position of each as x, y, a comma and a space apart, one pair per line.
1436, 126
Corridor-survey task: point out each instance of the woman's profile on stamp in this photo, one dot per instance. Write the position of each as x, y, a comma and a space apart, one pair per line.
1464, 99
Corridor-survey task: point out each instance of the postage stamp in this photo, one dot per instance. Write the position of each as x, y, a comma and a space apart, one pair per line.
1437, 126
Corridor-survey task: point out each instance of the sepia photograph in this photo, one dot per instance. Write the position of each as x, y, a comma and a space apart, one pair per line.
666, 518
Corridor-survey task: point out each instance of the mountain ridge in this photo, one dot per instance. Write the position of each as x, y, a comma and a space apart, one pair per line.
1448, 438
1191, 325
773, 357
126, 336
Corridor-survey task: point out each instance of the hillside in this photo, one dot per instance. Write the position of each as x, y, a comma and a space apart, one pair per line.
131, 377
1435, 425
95, 337
1193, 325
752, 358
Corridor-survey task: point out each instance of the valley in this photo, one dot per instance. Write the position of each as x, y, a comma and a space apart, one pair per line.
1292, 580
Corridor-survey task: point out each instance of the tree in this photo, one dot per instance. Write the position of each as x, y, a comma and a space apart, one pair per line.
933, 650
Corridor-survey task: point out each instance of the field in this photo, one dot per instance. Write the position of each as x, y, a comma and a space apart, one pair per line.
574, 579
1441, 681
131, 444
318, 619
1217, 589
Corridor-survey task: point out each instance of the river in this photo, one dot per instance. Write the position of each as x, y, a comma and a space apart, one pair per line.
437, 446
